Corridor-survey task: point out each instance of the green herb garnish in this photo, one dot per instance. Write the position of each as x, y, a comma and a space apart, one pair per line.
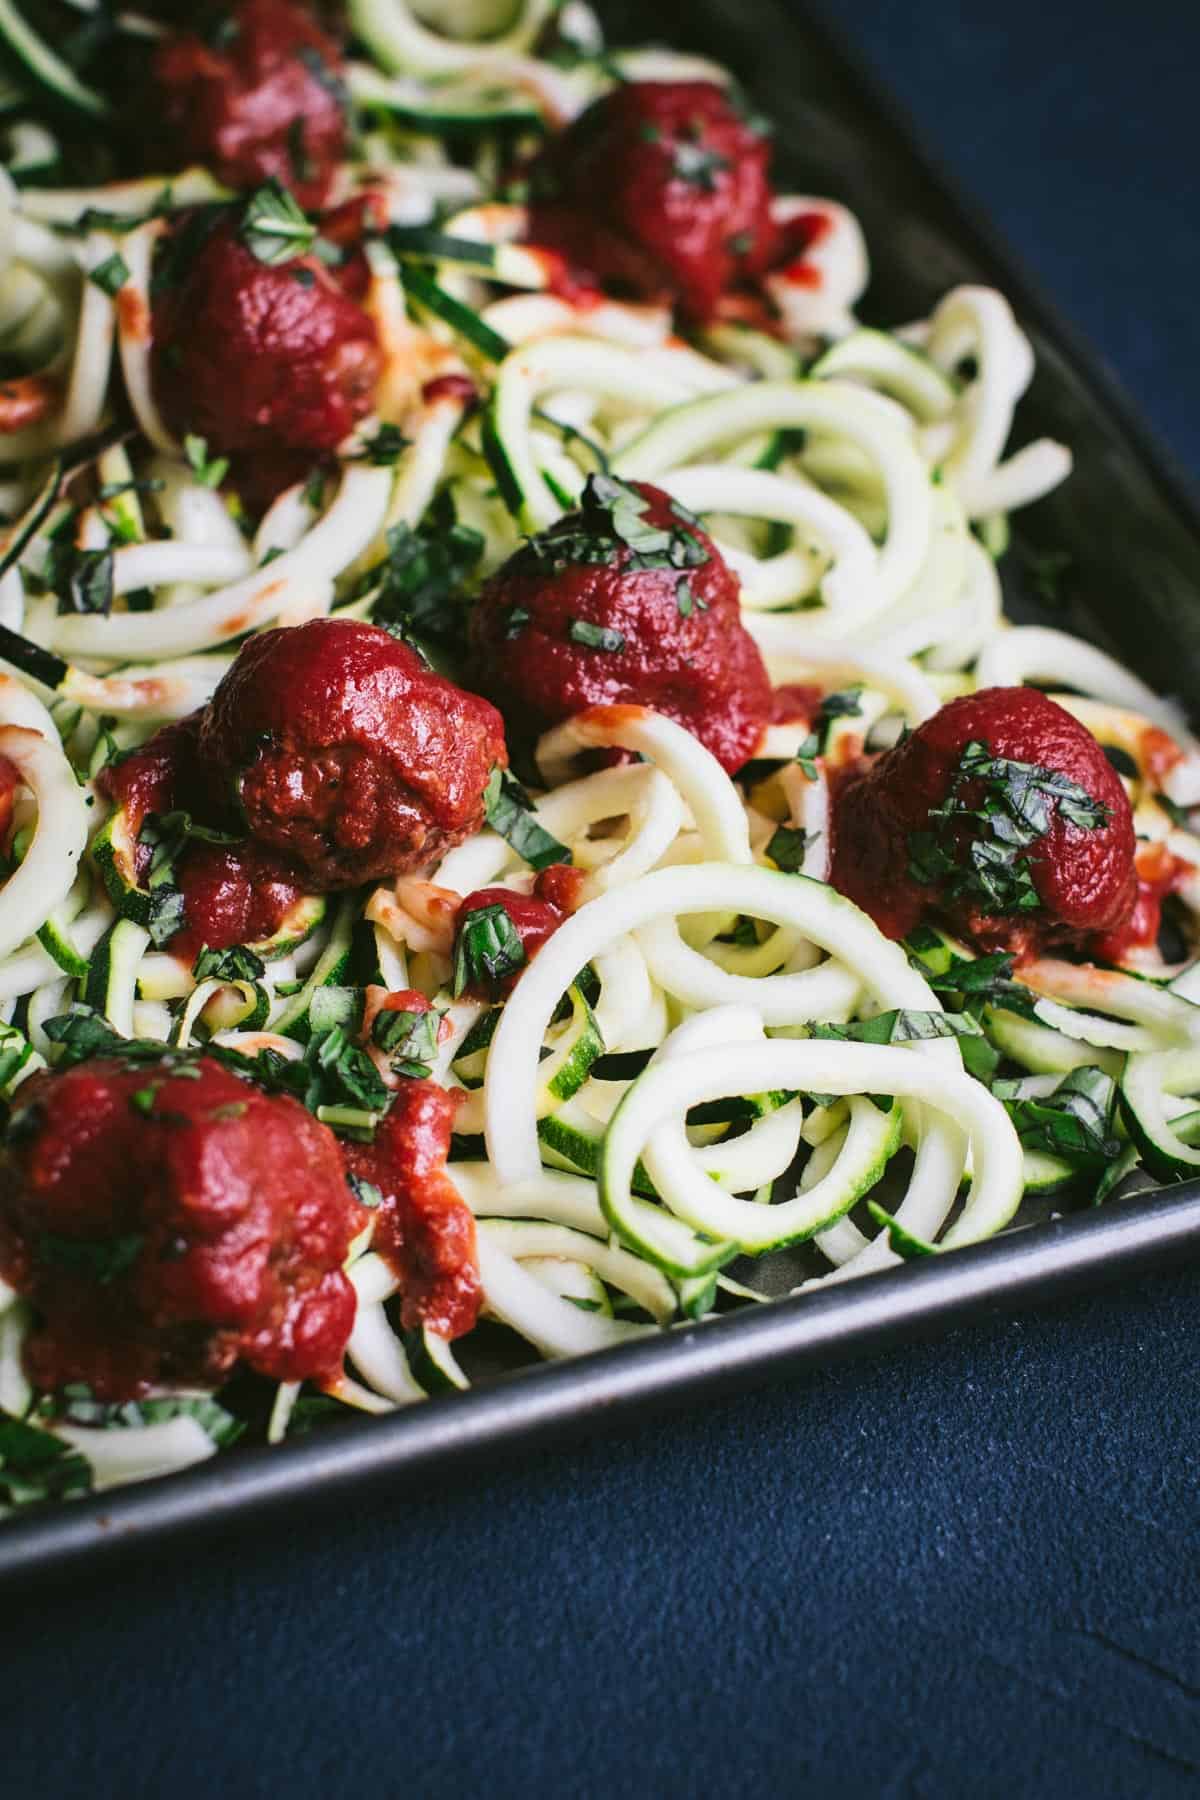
509, 811
488, 949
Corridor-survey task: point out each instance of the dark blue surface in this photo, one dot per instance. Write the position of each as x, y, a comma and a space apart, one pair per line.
970, 1568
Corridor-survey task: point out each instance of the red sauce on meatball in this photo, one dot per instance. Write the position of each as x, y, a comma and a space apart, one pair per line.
168, 1222
659, 190
254, 356
232, 894
348, 755
157, 777
1084, 877
579, 618
536, 917
422, 1226
258, 96
795, 703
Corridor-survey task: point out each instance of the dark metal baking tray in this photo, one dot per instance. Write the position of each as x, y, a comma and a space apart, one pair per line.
1133, 588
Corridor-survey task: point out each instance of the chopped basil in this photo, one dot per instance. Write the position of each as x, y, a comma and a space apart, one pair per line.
384, 448
981, 981
421, 584
365, 1192
78, 1406
35, 1465
518, 619
834, 706
409, 1039
610, 518
510, 813
235, 964
111, 275
787, 847
1074, 1123
168, 914
335, 1005
698, 166
210, 472
903, 1026
1012, 813
687, 599
488, 949
333, 1072
273, 227
167, 835
81, 579
595, 637
101, 1260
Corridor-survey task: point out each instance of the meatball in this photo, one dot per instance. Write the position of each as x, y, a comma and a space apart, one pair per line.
1002, 816
168, 1220
255, 95
347, 753
660, 188
254, 356
625, 601
233, 893
422, 1224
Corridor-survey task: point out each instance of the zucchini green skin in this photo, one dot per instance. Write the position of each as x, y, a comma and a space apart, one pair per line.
36, 62
113, 852
1164, 1151
111, 985
294, 929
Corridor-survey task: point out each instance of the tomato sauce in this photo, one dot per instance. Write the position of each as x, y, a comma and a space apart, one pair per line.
348, 754
257, 98
536, 916
423, 1227
256, 357
232, 894
1159, 874
795, 703
675, 640
659, 191
169, 1222
1084, 878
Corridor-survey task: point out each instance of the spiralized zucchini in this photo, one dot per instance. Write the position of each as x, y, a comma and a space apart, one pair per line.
685, 1075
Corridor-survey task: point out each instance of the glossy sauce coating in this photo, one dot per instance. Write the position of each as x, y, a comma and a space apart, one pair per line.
254, 356
1085, 879
536, 916
423, 1227
348, 754
168, 1224
658, 191
254, 96
697, 663
232, 893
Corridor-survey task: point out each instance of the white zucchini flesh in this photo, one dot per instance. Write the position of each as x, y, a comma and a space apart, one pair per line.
831, 922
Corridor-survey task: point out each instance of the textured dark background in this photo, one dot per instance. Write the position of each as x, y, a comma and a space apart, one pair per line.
969, 1568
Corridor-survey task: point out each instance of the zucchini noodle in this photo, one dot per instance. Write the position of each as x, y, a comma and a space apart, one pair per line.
716, 1058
